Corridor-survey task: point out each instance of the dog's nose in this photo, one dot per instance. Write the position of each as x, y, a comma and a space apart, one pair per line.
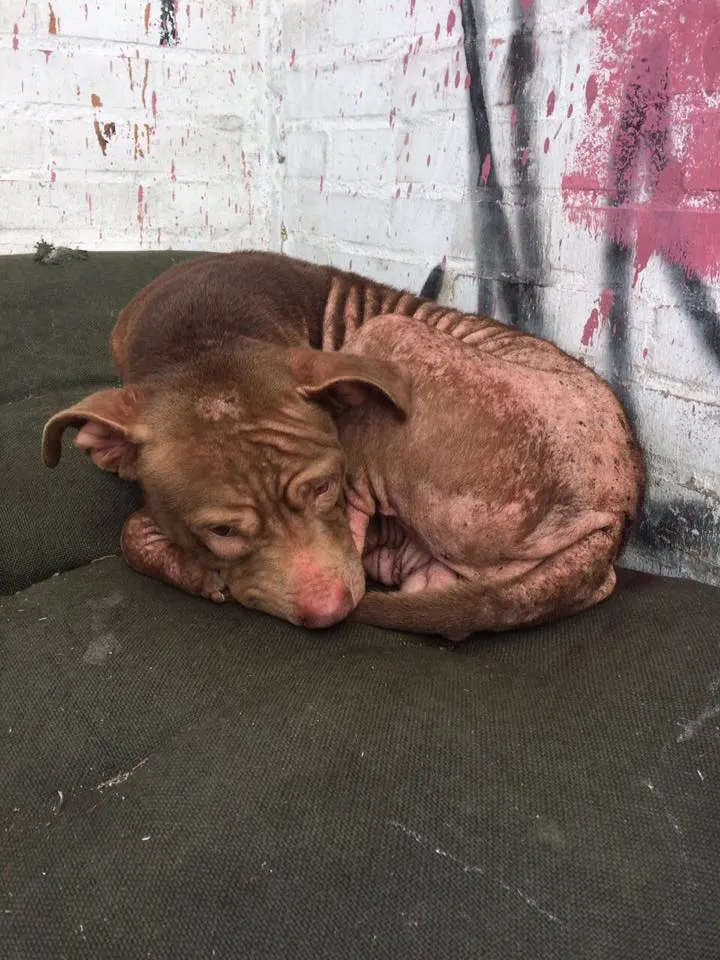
325, 606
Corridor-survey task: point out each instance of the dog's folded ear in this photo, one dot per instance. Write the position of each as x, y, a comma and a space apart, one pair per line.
108, 430
343, 380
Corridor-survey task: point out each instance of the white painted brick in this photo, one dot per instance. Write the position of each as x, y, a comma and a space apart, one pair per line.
434, 154
362, 154
312, 28
306, 153
363, 89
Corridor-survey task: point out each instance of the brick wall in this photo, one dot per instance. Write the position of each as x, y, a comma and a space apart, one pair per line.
389, 135
136, 124
393, 163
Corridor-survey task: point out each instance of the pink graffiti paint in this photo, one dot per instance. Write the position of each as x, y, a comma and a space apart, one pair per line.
591, 92
457, 79
525, 157
526, 4
546, 145
53, 174
437, 31
550, 104
659, 65
412, 7
140, 215
513, 117
569, 110
292, 57
645, 353
598, 316
486, 167
451, 22
16, 37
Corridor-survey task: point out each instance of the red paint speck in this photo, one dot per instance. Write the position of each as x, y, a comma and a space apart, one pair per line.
468, 81
153, 103
409, 189
16, 37
292, 57
525, 157
397, 193
427, 162
591, 92
457, 79
645, 353
570, 110
413, 98
53, 174
451, 22
598, 316
513, 117
172, 172
447, 77
546, 145
486, 167
437, 31
322, 182
550, 104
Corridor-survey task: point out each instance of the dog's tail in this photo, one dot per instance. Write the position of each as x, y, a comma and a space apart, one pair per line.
432, 286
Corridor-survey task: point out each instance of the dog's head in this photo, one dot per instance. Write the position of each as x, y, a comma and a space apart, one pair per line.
239, 461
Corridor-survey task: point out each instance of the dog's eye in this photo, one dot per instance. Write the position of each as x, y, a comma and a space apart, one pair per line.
323, 489
222, 530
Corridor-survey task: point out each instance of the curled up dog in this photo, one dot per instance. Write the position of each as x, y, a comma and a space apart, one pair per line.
295, 428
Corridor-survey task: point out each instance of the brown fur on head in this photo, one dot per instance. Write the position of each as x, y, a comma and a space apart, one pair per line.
239, 461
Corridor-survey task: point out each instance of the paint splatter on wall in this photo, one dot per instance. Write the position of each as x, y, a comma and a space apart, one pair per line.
647, 169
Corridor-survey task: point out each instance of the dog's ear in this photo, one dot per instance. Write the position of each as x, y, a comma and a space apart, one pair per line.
343, 380
108, 430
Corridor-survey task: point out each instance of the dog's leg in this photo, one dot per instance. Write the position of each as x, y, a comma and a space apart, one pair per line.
572, 580
148, 551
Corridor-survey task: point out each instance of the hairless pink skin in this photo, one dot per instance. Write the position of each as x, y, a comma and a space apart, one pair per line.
481, 472
503, 498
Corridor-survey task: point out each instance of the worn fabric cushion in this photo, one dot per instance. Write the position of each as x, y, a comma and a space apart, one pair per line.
55, 324
55, 321
185, 780
53, 520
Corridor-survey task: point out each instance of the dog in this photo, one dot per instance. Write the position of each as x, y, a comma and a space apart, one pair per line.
251, 383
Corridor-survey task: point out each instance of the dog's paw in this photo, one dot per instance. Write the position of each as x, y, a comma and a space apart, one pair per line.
214, 587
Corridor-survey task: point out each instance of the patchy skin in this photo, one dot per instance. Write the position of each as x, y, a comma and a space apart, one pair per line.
235, 386
502, 499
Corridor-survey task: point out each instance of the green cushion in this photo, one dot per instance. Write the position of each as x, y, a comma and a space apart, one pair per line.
181, 780
55, 321
55, 324
236, 787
